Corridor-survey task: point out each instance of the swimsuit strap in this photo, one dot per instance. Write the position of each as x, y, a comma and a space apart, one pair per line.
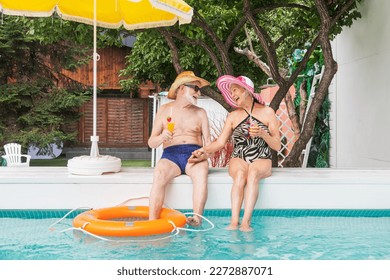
253, 104
249, 115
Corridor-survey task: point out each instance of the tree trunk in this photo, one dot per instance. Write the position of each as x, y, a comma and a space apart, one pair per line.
210, 92
293, 115
303, 103
174, 50
307, 131
330, 70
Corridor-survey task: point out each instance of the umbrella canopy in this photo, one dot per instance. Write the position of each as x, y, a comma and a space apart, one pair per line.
131, 14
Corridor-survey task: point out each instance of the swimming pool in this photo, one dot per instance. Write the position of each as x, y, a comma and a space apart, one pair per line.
278, 235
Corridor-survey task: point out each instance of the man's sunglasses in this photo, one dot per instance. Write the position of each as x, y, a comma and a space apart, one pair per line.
194, 87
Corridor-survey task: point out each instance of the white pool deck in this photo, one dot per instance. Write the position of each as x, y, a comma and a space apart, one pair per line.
55, 188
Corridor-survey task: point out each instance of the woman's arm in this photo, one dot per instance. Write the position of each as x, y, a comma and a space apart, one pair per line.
222, 139
273, 138
219, 143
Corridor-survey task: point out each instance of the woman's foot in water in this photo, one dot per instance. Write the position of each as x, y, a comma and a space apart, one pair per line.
245, 227
232, 226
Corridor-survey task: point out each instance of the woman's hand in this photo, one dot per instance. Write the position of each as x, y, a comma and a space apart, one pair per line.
198, 156
257, 131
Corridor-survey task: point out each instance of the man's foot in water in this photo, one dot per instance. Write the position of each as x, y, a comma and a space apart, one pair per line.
194, 221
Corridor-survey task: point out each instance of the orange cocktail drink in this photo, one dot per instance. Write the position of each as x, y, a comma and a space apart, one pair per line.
171, 126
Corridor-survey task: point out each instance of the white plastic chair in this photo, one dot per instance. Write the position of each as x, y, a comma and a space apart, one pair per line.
13, 155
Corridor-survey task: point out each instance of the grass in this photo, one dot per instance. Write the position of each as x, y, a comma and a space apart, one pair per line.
62, 161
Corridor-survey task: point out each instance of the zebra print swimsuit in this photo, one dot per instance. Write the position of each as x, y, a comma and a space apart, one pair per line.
246, 147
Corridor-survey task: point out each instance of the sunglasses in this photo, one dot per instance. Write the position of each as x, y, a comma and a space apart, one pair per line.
194, 87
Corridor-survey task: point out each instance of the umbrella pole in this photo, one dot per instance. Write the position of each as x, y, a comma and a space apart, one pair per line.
94, 164
94, 137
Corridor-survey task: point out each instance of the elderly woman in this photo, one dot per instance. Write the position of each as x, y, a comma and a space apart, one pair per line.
255, 131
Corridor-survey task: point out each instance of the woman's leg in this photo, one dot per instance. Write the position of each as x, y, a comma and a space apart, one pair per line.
258, 170
238, 170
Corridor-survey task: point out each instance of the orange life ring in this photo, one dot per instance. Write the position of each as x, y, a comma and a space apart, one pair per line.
101, 221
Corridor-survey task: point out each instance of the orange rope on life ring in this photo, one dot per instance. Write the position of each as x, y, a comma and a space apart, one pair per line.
101, 221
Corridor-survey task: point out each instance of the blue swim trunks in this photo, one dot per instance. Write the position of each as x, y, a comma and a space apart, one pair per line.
179, 154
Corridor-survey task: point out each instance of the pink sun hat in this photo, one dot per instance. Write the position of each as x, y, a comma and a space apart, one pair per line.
225, 82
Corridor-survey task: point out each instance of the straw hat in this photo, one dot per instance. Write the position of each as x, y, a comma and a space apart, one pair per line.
182, 78
225, 82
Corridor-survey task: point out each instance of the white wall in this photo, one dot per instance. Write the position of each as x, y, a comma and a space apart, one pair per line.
361, 107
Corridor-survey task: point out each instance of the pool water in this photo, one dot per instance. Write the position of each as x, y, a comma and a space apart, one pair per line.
277, 235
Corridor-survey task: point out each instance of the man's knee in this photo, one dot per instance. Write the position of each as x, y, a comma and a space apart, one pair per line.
159, 173
203, 171
200, 169
163, 174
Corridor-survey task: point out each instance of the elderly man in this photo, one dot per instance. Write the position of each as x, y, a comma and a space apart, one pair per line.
181, 127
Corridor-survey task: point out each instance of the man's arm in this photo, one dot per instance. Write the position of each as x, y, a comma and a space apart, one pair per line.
205, 128
159, 133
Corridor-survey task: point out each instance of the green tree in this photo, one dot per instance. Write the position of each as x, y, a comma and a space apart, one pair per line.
252, 38
33, 110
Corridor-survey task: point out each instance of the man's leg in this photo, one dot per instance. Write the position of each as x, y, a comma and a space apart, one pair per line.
164, 172
198, 173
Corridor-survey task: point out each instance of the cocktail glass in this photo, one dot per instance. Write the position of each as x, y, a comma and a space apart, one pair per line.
171, 126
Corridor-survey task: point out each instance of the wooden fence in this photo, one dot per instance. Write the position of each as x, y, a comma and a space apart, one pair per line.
112, 60
121, 122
